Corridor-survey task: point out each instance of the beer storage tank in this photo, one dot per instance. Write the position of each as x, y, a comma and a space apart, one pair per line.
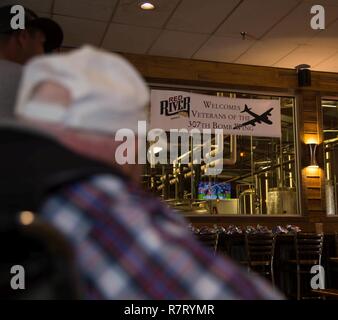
330, 198
281, 201
248, 202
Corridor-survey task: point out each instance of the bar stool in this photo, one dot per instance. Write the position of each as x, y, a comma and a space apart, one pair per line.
333, 261
235, 247
308, 249
260, 250
209, 240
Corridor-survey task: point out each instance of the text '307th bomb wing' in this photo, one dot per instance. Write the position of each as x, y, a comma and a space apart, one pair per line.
264, 117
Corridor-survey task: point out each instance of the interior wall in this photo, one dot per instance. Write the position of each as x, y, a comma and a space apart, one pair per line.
254, 78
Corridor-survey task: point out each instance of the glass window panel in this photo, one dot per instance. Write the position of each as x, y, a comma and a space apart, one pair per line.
330, 131
262, 181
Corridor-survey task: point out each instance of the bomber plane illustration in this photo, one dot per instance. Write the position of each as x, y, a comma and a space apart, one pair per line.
264, 117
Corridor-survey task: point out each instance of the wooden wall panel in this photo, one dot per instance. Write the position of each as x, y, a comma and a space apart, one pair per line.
176, 70
310, 127
309, 116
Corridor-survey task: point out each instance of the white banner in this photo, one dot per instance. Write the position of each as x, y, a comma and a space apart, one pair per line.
185, 110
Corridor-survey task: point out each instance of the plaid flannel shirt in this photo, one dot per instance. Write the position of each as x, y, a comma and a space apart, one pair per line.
128, 245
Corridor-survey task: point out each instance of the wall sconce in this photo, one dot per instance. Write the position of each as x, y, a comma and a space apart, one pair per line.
313, 155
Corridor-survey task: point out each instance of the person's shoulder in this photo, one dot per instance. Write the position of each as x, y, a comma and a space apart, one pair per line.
116, 192
110, 185
121, 189
115, 185
10, 66
10, 71
79, 199
106, 189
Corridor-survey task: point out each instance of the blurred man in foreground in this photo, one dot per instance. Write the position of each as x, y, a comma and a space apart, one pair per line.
41, 35
127, 244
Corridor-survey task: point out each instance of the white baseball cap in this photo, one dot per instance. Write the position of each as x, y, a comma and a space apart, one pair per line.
107, 92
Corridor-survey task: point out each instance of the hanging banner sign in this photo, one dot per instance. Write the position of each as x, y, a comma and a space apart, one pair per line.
185, 110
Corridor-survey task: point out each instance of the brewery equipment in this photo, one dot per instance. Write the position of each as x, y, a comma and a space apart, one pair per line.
281, 200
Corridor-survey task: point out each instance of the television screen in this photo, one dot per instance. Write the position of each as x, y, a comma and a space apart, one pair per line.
213, 191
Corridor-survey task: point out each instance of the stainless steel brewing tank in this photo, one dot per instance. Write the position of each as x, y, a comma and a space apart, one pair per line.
282, 201
248, 202
330, 198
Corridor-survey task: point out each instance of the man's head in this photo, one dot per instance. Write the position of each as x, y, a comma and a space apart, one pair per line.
40, 35
83, 98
